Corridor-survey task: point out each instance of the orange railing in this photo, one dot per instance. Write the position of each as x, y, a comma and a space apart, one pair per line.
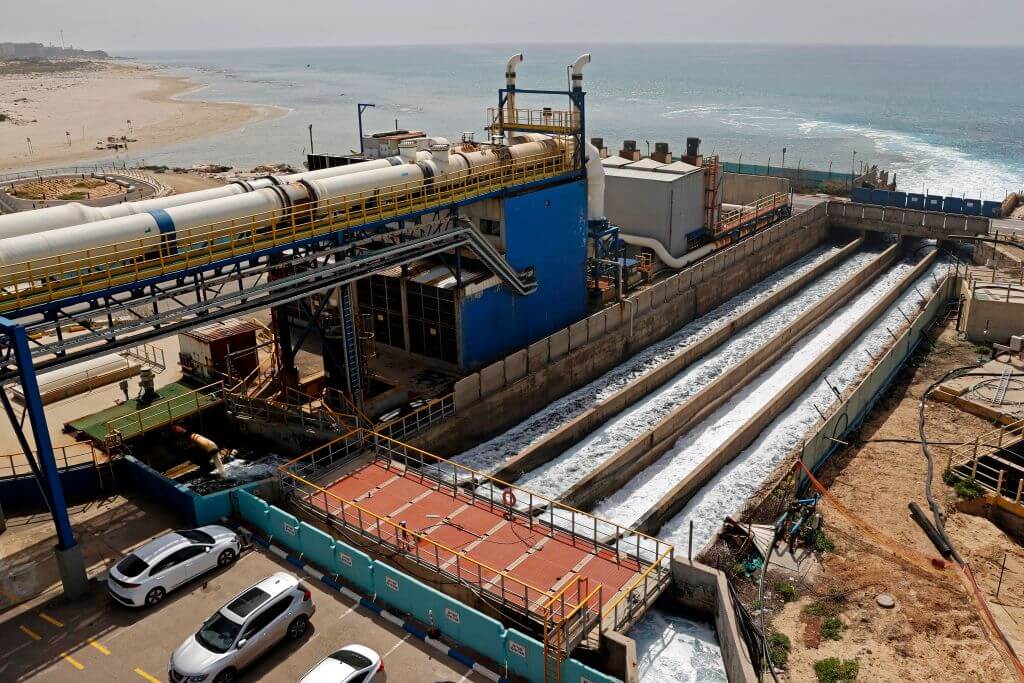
80, 453
436, 471
101, 267
762, 207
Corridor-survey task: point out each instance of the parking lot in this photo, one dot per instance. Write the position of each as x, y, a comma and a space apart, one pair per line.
97, 640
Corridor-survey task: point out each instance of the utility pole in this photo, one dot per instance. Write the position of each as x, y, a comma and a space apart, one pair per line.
360, 108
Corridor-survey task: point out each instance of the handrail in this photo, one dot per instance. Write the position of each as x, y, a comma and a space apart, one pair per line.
772, 201
9, 468
626, 591
55, 277
156, 409
533, 501
403, 532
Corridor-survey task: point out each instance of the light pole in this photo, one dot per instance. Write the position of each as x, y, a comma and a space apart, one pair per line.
853, 170
783, 157
363, 106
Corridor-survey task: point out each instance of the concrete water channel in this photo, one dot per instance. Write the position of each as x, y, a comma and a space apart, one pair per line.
725, 378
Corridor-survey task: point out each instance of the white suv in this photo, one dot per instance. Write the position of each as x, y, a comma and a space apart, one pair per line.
147, 575
276, 608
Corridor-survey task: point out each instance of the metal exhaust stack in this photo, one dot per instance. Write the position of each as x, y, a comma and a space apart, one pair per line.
510, 82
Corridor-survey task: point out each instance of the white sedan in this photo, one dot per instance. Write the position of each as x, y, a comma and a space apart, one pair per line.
350, 664
155, 569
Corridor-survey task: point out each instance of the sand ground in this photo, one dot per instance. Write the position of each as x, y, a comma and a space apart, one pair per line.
934, 632
93, 103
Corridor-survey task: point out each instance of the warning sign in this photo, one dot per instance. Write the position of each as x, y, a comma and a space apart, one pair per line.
345, 559
516, 649
289, 529
391, 583
452, 615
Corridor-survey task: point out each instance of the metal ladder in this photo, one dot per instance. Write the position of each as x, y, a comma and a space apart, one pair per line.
1004, 385
351, 347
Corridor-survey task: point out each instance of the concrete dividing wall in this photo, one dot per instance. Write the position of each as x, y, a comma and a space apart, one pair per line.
705, 590
628, 327
613, 473
743, 188
578, 428
851, 411
674, 501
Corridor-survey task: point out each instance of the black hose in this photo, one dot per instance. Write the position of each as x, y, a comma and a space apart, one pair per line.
936, 512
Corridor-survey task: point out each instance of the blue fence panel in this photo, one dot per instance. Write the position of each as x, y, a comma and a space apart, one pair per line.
972, 207
404, 593
524, 655
915, 201
176, 496
254, 510
992, 209
933, 203
353, 565
880, 197
576, 672
862, 195
284, 528
211, 508
469, 627
316, 546
953, 205
898, 199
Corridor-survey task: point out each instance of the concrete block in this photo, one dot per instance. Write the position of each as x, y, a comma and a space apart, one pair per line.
697, 273
515, 366
467, 391
671, 287
643, 302
612, 318
873, 213
537, 355
657, 295
492, 378
577, 334
595, 327
685, 279
934, 220
558, 344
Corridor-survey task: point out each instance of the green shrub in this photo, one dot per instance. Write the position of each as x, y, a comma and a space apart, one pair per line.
835, 670
74, 196
969, 489
821, 542
950, 477
785, 589
832, 629
778, 648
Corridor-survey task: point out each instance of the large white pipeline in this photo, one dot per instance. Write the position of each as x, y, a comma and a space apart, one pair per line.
152, 228
55, 217
667, 258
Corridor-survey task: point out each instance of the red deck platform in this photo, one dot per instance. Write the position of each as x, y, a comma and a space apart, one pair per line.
472, 538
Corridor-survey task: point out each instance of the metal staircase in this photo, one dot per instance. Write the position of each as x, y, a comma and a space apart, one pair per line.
353, 370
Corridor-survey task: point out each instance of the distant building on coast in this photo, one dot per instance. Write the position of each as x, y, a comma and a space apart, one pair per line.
40, 51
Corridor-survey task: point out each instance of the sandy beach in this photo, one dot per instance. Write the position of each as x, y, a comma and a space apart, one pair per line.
97, 101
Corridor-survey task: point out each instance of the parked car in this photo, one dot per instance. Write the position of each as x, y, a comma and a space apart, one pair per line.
276, 608
151, 572
350, 664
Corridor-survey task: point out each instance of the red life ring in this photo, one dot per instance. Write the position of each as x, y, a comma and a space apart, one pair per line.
508, 497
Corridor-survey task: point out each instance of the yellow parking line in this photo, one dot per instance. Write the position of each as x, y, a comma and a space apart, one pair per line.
72, 661
46, 617
98, 646
146, 676
30, 633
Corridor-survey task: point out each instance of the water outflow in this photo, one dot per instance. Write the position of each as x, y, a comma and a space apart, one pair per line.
727, 492
632, 501
489, 455
555, 477
671, 648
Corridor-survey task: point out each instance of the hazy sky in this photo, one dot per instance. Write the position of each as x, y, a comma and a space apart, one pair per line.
165, 24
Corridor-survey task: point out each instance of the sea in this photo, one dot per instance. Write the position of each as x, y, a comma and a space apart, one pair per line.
944, 120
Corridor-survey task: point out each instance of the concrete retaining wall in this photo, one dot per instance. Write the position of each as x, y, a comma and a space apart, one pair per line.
743, 188
629, 327
648, 447
705, 590
674, 501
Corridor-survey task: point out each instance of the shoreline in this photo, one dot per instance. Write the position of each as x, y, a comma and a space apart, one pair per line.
96, 102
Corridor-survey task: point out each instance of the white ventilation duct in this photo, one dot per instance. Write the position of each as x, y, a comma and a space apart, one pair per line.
595, 184
662, 253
